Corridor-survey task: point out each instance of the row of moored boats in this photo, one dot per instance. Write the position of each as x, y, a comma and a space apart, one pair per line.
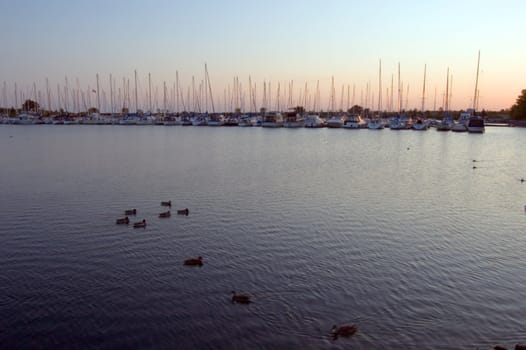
467, 122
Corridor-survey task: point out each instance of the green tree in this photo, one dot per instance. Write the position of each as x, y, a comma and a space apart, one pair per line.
299, 109
518, 110
355, 109
30, 105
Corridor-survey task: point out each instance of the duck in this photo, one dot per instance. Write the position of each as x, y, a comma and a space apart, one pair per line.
345, 330
140, 224
123, 221
240, 298
166, 204
165, 214
130, 212
184, 211
194, 261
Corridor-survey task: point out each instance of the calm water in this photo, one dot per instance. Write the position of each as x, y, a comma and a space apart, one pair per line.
393, 231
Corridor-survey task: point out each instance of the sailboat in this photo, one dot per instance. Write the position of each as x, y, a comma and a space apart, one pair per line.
447, 121
132, 119
375, 123
400, 122
476, 123
420, 123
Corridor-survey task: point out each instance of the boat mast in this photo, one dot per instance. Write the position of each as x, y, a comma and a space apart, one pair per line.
164, 99
78, 96
16, 98
450, 98
353, 103
399, 92
331, 108
35, 95
98, 95
111, 94
446, 105
209, 89
424, 89
58, 98
150, 92
475, 94
136, 94
379, 87
177, 92
48, 97
4, 95
66, 95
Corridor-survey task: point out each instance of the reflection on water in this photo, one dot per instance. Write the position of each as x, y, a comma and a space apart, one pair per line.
393, 231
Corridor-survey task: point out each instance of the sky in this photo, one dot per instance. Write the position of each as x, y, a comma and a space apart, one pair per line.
329, 48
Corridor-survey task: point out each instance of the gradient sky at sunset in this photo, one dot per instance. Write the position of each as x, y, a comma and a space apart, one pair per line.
304, 41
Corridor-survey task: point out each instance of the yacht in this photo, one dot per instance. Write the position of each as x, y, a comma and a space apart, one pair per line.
169, 120
216, 120
376, 123
183, 120
476, 125
445, 123
200, 120
420, 124
335, 121
246, 120
293, 120
232, 120
314, 121
395, 123
272, 120
462, 124
354, 121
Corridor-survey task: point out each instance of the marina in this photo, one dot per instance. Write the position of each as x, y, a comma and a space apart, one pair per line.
411, 237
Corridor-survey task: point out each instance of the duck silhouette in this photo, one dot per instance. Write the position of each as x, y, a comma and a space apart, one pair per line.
345, 330
240, 298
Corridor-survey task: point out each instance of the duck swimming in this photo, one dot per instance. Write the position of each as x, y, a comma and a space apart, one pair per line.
194, 261
345, 330
123, 221
240, 298
165, 214
140, 224
130, 212
184, 211
166, 204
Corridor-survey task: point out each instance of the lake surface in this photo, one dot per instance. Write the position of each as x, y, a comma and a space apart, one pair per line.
392, 230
